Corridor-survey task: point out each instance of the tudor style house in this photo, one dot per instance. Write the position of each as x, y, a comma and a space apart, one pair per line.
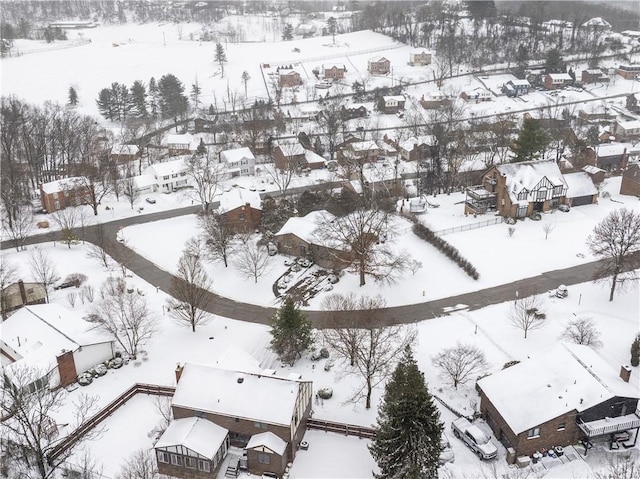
559, 396
60, 194
518, 189
379, 66
259, 411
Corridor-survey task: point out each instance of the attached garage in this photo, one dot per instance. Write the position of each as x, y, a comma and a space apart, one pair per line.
580, 189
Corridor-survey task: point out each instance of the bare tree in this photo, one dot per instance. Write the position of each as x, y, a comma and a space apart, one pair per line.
365, 236
139, 465
548, 227
344, 340
620, 466
331, 124
616, 240
18, 226
84, 466
8, 275
96, 250
583, 331
67, 220
252, 260
43, 269
460, 363
124, 314
218, 237
207, 176
190, 289
129, 188
282, 176
414, 266
97, 183
526, 314
28, 407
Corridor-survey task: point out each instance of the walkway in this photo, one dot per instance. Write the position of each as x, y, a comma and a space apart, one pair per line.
410, 313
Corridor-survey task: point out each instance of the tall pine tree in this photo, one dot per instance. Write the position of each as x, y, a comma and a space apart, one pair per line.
173, 101
138, 99
221, 57
73, 96
531, 142
291, 331
407, 442
105, 104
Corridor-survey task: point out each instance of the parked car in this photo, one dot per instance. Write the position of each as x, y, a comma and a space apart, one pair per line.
68, 283
150, 201
474, 438
447, 453
564, 208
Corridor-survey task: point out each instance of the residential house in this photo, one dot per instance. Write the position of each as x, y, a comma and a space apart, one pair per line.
420, 57
202, 125
185, 144
288, 78
298, 237
596, 174
553, 81
593, 75
477, 95
612, 156
417, 148
239, 162
559, 396
60, 194
291, 154
518, 189
121, 154
143, 184
378, 66
191, 447
580, 189
631, 181
53, 341
626, 130
434, 100
515, 88
241, 209
359, 152
17, 295
393, 103
596, 24
629, 71
350, 112
334, 72
246, 404
169, 175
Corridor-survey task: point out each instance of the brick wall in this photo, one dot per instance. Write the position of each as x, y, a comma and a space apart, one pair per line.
67, 369
276, 464
243, 219
184, 472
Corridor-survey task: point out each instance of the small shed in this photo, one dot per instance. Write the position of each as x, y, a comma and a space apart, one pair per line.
266, 452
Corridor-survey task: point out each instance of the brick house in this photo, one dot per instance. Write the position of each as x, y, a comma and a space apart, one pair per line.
477, 95
612, 156
434, 100
247, 404
378, 66
518, 189
298, 238
60, 194
17, 295
288, 78
628, 72
334, 72
559, 396
291, 154
350, 112
553, 81
593, 75
416, 148
420, 57
631, 181
67, 344
241, 209
239, 162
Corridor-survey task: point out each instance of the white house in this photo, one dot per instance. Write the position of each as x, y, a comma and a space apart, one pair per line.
476, 95
53, 341
170, 175
239, 162
420, 57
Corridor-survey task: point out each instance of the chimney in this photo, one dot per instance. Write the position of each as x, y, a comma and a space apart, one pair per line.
23, 292
179, 369
625, 373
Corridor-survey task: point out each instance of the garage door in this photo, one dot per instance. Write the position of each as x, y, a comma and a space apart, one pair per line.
582, 200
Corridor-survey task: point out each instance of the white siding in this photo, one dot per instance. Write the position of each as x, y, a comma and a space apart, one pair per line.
88, 356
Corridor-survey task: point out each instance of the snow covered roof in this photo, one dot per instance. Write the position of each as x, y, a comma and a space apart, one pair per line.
268, 440
629, 125
237, 154
378, 59
560, 76
268, 399
611, 149
368, 145
40, 333
312, 157
527, 175
412, 141
554, 381
197, 434
237, 197
304, 227
592, 170
597, 22
167, 168
518, 82
234, 357
421, 51
329, 66
144, 181
291, 147
393, 98
125, 150
57, 186
579, 184
184, 139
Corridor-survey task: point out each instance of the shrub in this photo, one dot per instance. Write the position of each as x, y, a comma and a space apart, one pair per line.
508, 364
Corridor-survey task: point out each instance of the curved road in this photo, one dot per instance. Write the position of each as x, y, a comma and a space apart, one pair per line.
321, 319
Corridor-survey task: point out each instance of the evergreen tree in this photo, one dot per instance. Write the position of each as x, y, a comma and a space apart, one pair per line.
635, 351
332, 27
291, 331
120, 101
73, 96
522, 61
154, 98
531, 142
202, 149
287, 32
138, 99
408, 434
554, 62
196, 91
172, 100
245, 79
220, 57
105, 104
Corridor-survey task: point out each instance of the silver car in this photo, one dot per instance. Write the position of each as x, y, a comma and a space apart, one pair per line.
447, 453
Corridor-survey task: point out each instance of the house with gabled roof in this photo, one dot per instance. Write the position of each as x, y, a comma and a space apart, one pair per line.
553, 81
63, 193
169, 175
560, 395
420, 57
182, 144
239, 162
247, 404
334, 72
378, 66
477, 95
288, 78
393, 103
289, 154
241, 209
417, 148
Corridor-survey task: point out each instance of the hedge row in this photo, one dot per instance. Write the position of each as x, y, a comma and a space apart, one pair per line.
423, 232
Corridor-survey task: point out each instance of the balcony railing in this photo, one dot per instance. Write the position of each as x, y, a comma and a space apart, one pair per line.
609, 425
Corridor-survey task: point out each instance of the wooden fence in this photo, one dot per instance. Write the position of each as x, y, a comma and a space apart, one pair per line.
346, 429
105, 412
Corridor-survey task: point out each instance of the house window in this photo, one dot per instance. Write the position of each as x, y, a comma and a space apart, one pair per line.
522, 195
241, 216
562, 426
176, 460
163, 457
260, 425
542, 195
236, 419
165, 177
204, 466
190, 462
557, 190
264, 458
533, 433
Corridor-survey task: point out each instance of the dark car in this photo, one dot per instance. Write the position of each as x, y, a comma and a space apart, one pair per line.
68, 283
150, 201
